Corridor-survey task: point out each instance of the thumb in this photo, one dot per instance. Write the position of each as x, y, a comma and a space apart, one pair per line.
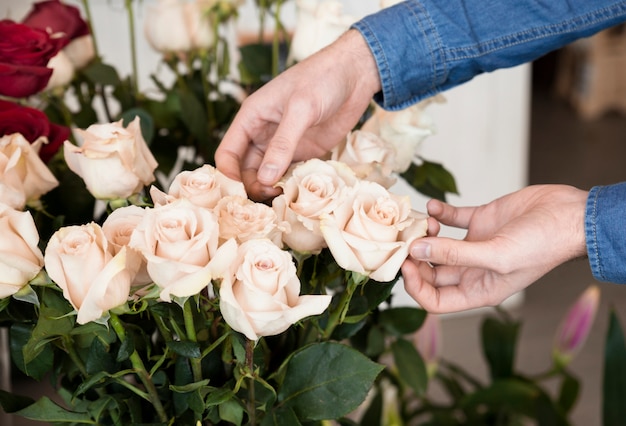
451, 252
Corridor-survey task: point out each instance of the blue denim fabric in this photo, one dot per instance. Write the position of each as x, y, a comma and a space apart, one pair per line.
605, 231
423, 47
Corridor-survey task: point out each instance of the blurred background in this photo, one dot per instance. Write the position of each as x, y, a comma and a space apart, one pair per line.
561, 119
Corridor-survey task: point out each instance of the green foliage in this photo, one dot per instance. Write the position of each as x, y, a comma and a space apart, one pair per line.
614, 381
431, 179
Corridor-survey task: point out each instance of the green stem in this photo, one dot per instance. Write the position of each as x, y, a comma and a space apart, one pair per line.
339, 313
69, 346
276, 41
133, 45
190, 328
140, 370
251, 393
262, 15
89, 22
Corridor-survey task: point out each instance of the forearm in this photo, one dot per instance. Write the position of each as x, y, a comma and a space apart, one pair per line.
605, 232
423, 47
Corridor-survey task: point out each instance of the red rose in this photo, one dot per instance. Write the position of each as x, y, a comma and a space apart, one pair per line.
32, 124
24, 54
56, 17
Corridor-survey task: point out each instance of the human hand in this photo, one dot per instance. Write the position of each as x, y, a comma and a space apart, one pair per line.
510, 243
302, 113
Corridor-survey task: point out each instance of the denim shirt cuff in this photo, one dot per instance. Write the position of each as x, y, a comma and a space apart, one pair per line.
401, 65
605, 232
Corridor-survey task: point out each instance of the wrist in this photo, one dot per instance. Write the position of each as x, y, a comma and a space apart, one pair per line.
359, 61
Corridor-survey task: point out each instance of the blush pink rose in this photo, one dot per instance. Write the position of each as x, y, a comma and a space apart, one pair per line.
78, 260
369, 156
371, 230
24, 178
243, 219
113, 160
262, 295
118, 228
179, 241
20, 257
204, 187
314, 187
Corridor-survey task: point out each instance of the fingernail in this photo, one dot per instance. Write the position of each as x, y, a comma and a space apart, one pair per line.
420, 251
268, 174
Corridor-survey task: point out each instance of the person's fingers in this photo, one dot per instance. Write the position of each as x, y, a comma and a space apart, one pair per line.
451, 252
430, 297
433, 227
279, 153
458, 217
231, 150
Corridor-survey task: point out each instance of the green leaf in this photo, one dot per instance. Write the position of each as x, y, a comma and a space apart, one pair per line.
439, 177
47, 410
614, 382
568, 393
145, 122
410, 365
256, 63
403, 320
100, 73
99, 358
231, 411
281, 417
193, 115
499, 341
40, 364
513, 395
374, 413
190, 387
11, 403
326, 381
431, 179
185, 348
218, 396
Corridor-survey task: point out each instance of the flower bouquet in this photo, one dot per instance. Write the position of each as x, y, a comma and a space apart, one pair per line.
145, 284
149, 289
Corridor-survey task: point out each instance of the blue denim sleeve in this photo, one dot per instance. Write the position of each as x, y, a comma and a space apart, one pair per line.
605, 232
423, 47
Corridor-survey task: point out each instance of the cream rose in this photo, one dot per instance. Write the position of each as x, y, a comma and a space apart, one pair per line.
243, 219
114, 161
118, 228
204, 187
180, 243
62, 71
371, 231
262, 295
404, 130
174, 26
318, 25
20, 257
24, 178
78, 260
314, 187
80, 51
369, 156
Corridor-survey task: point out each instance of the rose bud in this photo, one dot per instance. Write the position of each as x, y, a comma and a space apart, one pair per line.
575, 326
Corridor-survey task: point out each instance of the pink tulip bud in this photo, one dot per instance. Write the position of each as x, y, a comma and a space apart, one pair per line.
575, 326
428, 342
